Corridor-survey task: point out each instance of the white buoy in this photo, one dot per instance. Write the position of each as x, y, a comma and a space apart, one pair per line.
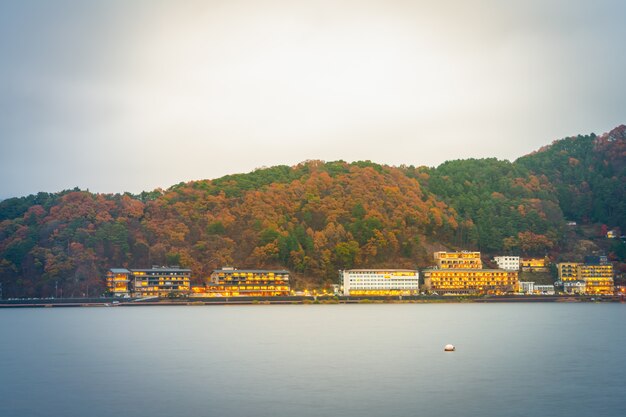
449, 348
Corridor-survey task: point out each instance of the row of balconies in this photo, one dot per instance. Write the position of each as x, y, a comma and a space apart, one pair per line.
279, 278
471, 279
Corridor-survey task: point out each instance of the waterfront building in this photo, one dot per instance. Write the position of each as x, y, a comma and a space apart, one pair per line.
509, 263
118, 280
534, 264
462, 273
380, 281
232, 282
458, 260
161, 281
156, 281
568, 271
598, 278
595, 276
544, 289
466, 281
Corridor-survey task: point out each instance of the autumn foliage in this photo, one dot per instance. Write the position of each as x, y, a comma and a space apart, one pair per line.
313, 218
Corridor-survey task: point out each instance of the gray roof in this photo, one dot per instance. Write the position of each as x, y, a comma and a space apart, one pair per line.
119, 270
162, 270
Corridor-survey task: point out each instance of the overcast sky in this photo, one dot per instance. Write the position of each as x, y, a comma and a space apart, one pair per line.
119, 96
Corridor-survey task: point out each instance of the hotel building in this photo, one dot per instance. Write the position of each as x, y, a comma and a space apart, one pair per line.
161, 281
458, 260
362, 282
462, 273
568, 275
568, 271
118, 280
534, 264
595, 277
598, 279
231, 282
156, 281
470, 281
508, 263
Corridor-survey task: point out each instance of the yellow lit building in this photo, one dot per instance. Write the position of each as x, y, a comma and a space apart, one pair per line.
379, 282
157, 281
458, 260
534, 264
598, 278
466, 281
231, 282
161, 282
592, 278
118, 280
568, 271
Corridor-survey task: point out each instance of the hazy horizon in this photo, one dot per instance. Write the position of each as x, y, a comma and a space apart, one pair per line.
113, 96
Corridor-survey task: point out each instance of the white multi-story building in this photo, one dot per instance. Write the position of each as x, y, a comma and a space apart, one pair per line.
509, 263
380, 281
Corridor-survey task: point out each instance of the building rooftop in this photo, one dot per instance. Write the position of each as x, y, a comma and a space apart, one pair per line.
253, 271
119, 270
164, 269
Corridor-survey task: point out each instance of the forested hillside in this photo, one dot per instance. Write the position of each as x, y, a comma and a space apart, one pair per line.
589, 175
314, 218
502, 206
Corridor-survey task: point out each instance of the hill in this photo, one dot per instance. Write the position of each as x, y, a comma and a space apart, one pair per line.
316, 217
588, 174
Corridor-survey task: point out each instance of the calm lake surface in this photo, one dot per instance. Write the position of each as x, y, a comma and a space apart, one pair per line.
531, 359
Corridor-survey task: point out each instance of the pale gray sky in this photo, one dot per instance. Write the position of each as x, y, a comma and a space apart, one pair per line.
124, 95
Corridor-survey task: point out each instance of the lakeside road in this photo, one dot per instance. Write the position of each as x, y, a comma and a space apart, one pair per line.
200, 301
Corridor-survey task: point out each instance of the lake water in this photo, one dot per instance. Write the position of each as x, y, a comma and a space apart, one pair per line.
531, 359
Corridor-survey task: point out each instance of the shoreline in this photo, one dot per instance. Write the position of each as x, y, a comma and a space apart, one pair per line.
303, 300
